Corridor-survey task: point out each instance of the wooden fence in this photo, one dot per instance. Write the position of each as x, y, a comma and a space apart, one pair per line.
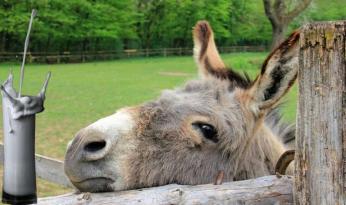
75, 57
320, 159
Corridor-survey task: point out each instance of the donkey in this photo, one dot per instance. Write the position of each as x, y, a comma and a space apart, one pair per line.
220, 122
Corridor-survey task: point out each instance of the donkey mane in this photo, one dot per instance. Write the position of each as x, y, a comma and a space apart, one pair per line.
238, 80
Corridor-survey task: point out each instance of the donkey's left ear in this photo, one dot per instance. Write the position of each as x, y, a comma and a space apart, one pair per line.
207, 57
279, 71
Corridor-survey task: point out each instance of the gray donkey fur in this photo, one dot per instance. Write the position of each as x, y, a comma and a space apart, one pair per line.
221, 122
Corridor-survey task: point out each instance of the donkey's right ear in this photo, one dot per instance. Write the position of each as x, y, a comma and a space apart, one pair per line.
279, 71
205, 52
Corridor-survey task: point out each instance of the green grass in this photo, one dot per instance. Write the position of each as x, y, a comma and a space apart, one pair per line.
79, 94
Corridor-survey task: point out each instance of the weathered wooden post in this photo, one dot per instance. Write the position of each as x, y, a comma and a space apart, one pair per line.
321, 122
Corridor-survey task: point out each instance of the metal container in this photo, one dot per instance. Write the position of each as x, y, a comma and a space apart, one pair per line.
19, 113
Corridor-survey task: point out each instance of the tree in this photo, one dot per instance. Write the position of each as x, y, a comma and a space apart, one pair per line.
97, 25
13, 25
169, 23
247, 20
280, 14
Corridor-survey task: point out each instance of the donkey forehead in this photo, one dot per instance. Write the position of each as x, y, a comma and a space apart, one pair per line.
200, 96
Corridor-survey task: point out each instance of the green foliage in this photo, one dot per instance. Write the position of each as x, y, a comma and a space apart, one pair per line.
249, 24
169, 23
68, 25
90, 25
321, 10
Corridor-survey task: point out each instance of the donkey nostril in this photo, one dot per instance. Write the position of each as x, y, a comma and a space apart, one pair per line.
95, 146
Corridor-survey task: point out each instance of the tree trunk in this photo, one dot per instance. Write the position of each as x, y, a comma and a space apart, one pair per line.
2, 41
67, 45
48, 44
278, 35
320, 159
280, 17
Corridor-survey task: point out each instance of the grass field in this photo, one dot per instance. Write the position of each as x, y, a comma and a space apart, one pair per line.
79, 94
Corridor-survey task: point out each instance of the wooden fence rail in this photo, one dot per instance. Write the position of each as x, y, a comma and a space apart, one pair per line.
269, 190
75, 57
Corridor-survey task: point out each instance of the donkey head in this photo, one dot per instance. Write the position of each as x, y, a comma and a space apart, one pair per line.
219, 122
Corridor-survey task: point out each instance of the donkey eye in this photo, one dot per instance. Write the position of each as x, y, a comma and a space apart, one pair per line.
207, 130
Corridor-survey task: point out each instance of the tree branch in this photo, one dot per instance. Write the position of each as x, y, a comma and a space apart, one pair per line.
269, 13
297, 10
279, 8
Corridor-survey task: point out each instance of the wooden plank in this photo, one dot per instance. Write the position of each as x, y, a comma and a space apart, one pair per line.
47, 168
320, 143
269, 190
